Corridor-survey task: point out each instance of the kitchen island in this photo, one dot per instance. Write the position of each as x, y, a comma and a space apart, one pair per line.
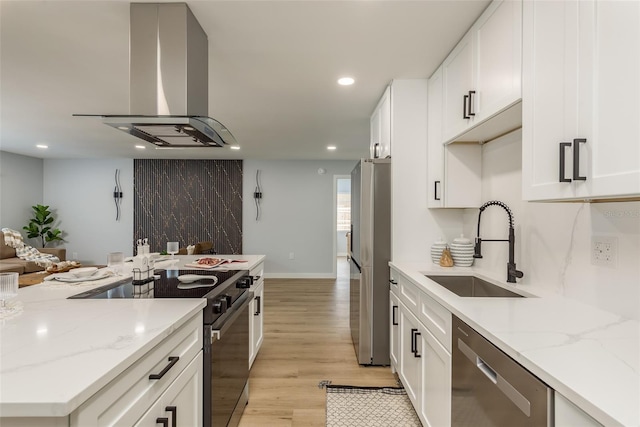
589, 356
56, 353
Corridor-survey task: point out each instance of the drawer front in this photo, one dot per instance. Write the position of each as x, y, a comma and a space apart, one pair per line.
409, 295
393, 281
183, 397
257, 272
437, 319
128, 396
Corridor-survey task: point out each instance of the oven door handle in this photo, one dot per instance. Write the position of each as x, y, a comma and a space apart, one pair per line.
217, 331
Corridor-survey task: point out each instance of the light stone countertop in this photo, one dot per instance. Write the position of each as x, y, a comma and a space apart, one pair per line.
57, 352
590, 356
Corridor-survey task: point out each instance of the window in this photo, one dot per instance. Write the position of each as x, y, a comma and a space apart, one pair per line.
344, 204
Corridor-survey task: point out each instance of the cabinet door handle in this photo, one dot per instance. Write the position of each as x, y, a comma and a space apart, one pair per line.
415, 351
471, 93
174, 415
376, 150
394, 322
576, 159
393, 282
413, 341
172, 361
257, 313
163, 421
435, 190
465, 100
563, 147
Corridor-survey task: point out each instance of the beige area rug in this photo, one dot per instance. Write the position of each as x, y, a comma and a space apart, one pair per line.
350, 406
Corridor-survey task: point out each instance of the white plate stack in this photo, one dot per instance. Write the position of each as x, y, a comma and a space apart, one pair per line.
436, 250
462, 252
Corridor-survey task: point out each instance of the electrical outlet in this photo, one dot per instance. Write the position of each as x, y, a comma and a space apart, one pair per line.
604, 251
292, 255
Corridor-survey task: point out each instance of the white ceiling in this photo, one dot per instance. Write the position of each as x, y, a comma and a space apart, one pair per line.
273, 68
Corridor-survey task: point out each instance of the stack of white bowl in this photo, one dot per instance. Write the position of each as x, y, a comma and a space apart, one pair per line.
462, 252
436, 250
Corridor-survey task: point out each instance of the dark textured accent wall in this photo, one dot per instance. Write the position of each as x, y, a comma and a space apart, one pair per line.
188, 201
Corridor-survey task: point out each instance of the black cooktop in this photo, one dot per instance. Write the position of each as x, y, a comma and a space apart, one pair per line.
166, 286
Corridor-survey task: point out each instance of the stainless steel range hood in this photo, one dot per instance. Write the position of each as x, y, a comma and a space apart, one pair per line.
169, 68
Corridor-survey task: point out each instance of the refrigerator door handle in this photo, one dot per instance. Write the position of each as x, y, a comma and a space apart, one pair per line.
353, 260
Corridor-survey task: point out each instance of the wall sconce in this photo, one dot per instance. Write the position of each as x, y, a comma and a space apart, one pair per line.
117, 194
257, 194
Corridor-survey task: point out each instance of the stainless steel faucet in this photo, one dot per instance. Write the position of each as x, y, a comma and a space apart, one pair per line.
512, 273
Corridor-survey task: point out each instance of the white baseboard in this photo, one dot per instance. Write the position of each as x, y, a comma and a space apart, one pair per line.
299, 276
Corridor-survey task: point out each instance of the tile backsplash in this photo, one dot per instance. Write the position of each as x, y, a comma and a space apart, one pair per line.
188, 201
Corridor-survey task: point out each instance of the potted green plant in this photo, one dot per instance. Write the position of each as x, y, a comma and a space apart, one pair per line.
40, 226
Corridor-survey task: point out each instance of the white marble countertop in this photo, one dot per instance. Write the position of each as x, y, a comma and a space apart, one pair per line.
590, 356
57, 352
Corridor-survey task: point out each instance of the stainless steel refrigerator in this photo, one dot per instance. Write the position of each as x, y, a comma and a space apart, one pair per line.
369, 255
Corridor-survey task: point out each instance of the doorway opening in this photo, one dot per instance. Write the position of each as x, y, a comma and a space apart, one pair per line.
342, 212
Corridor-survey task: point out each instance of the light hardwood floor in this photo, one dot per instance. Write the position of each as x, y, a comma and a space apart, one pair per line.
307, 340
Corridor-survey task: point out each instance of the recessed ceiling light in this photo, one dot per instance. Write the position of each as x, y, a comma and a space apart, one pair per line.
331, 147
123, 127
187, 128
141, 147
42, 146
235, 147
346, 81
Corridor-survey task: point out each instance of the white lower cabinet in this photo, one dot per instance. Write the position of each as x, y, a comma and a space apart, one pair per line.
394, 331
569, 415
181, 403
256, 322
256, 316
435, 405
420, 350
168, 375
425, 371
410, 363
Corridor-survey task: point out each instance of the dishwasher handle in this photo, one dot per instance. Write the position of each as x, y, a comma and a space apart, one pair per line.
503, 385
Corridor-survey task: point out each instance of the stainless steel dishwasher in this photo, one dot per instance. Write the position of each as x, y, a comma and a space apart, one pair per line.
491, 389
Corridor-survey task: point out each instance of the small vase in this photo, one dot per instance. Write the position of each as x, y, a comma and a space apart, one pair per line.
436, 250
462, 252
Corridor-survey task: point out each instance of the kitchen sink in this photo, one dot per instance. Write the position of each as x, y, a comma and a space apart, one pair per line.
471, 286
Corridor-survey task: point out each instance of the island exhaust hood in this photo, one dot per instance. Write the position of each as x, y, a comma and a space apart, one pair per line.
168, 80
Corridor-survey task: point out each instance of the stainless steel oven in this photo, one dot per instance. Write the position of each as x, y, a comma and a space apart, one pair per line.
226, 332
227, 340
489, 389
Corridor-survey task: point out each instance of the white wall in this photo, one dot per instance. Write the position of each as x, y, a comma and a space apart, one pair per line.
81, 191
297, 216
414, 227
20, 188
341, 243
553, 240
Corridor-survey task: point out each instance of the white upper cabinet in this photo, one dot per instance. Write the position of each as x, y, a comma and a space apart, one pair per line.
482, 77
380, 146
435, 148
459, 82
498, 58
401, 115
581, 85
454, 170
